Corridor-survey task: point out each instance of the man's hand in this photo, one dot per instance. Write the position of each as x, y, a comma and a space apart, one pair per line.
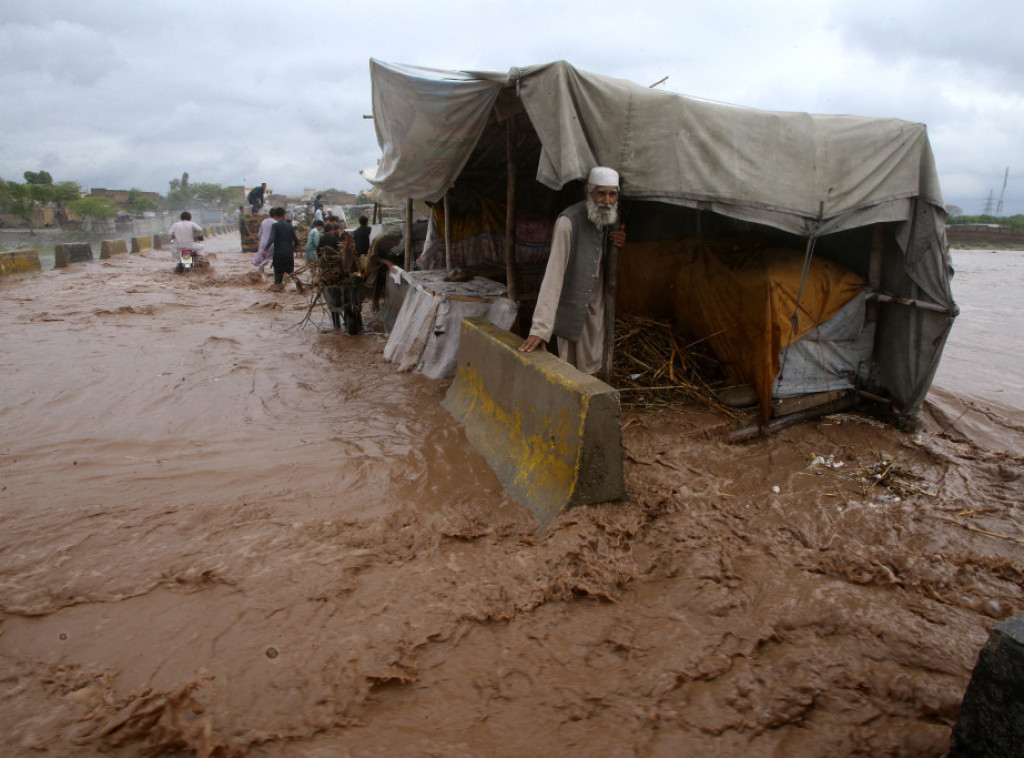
619, 236
531, 343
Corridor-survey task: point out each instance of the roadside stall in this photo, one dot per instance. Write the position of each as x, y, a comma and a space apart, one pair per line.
858, 196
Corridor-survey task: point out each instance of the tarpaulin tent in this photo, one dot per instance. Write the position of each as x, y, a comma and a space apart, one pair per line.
861, 192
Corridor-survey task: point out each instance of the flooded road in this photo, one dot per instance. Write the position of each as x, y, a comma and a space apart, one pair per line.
982, 356
226, 534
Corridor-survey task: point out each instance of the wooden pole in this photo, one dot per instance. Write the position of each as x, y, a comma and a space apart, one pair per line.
510, 212
408, 234
611, 264
875, 269
447, 232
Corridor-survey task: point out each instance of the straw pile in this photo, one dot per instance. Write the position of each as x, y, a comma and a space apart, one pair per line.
655, 369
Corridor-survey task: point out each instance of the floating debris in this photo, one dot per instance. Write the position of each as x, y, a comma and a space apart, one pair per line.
884, 481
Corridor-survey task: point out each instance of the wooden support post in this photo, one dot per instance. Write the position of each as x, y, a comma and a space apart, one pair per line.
447, 231
408, 234
510, 211
611, 265
875, 269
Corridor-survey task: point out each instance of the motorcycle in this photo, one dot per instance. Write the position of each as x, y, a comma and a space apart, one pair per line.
190, 259
187, 260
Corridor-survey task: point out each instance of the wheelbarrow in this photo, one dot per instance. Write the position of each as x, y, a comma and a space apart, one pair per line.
345, 304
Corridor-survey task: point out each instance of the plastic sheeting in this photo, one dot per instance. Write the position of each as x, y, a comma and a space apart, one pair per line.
425, 337
833, 356
427, 123
746, 301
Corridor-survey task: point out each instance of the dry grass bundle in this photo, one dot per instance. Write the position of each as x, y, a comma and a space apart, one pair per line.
654, 368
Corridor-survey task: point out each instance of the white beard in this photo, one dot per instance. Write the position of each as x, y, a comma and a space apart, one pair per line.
601, 215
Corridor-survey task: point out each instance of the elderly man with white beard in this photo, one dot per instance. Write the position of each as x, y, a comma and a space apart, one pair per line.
571, 302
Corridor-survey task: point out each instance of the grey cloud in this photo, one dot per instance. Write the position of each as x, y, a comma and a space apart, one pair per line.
113, 93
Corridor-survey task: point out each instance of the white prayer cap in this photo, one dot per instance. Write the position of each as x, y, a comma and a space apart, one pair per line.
602, 176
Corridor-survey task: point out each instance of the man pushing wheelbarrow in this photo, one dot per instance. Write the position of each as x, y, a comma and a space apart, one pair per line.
337, 279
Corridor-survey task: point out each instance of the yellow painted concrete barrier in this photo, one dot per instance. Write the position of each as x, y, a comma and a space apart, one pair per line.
19, 262
71, 252
550, 432
141, 244
110, 248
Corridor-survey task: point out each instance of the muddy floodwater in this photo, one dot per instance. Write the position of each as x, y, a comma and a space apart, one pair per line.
225, 534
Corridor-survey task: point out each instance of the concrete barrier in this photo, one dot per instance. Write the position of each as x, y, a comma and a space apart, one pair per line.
160, 241
991, 720
110, 248
71, 252
141, 244
550, 432
19, 262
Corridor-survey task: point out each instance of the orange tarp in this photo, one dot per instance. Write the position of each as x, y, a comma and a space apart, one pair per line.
737, 293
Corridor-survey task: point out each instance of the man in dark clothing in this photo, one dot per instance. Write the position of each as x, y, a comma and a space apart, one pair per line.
255, 197
283, 240
330, 241
361, 236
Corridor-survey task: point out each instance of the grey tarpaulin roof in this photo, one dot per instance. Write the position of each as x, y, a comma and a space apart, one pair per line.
798, 172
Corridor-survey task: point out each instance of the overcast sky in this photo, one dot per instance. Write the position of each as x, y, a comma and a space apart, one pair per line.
121, 94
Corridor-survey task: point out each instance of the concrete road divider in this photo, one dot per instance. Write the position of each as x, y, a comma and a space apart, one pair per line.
19, 262
160, 241
141, 244
991, 720
71, 252
550, 432
110, 248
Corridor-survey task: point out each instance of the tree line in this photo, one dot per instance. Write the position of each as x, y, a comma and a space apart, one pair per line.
39, 189
1013, 223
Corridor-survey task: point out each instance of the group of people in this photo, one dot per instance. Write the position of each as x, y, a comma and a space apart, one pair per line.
327, 237
571, 303
330, 238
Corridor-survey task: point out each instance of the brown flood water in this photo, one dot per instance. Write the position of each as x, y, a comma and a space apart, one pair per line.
223, 534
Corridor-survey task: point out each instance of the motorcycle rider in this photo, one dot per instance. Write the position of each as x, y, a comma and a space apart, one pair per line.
185, 235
